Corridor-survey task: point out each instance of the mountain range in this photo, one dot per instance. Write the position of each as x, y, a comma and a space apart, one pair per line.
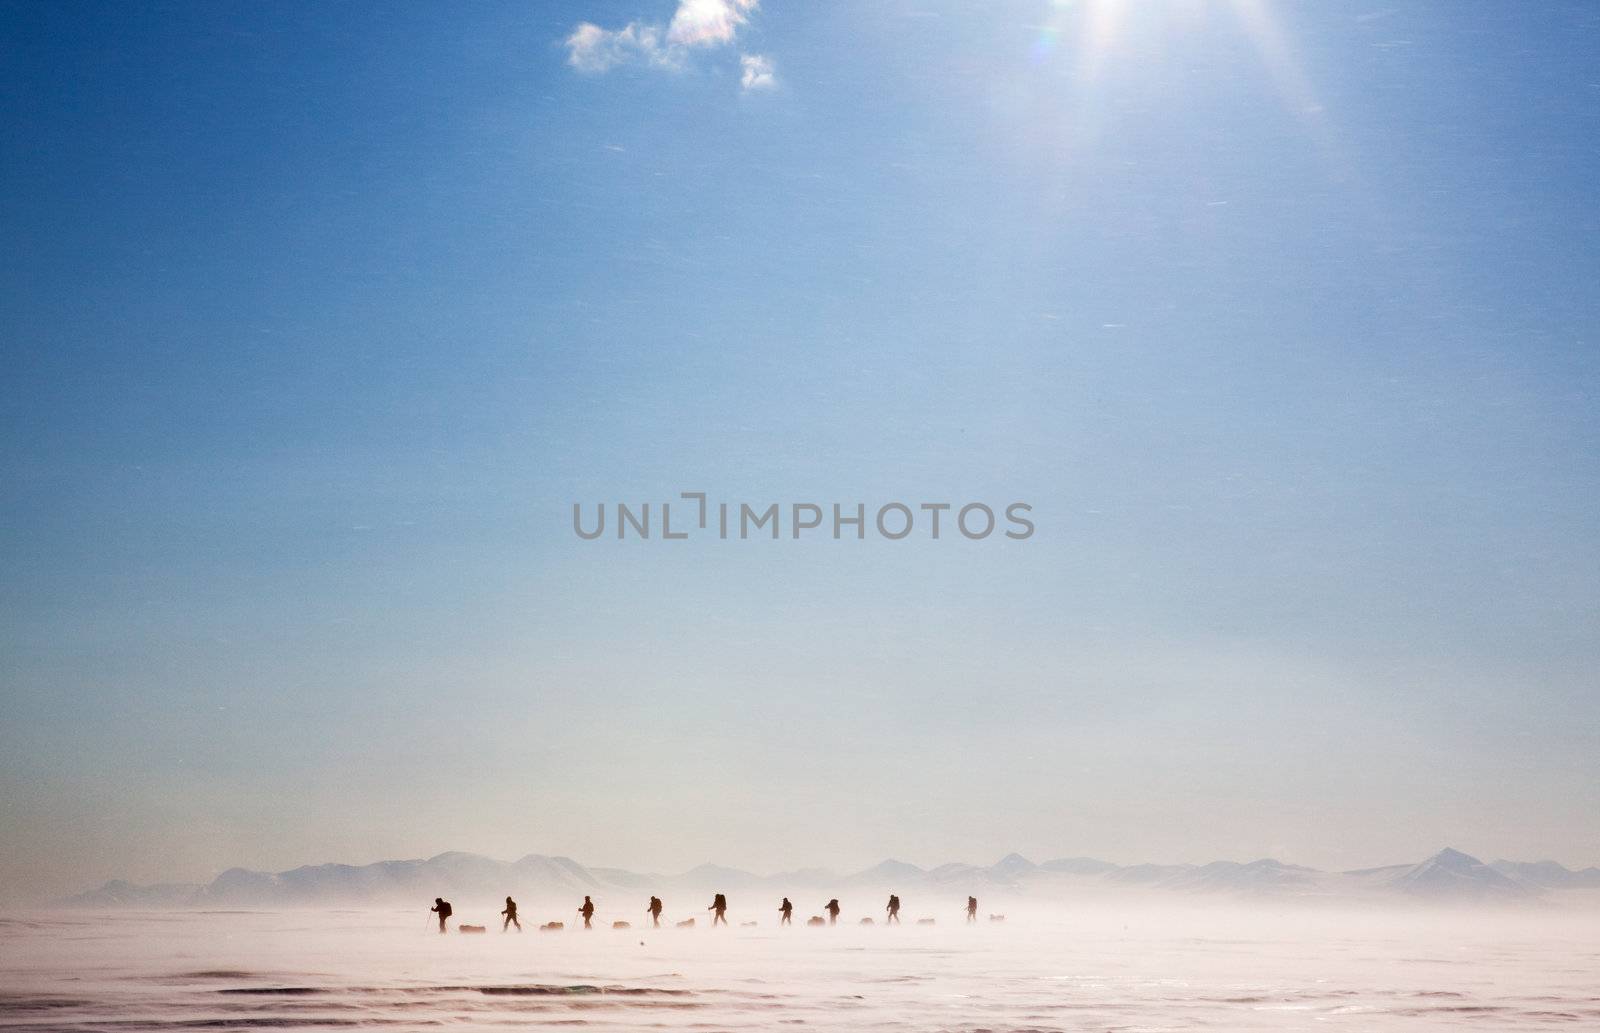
1448, 876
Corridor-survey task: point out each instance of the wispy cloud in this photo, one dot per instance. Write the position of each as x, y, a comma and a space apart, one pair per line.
696, 24
593, 49
756, 72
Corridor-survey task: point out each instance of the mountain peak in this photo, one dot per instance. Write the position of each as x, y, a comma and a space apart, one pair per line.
1451, 873
1013, 864
1450, 857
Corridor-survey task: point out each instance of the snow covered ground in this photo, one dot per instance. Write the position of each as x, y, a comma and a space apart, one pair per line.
1119, 968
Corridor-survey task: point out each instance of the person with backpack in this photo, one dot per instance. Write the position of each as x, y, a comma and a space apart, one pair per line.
719, 908
443, 909
587, 911
972, 909
785, 909
511, 916
833, 911
894, 911
654, 910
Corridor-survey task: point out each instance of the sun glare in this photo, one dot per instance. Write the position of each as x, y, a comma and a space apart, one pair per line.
1102, 27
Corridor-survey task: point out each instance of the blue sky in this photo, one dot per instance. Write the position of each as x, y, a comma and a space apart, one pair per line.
317, 320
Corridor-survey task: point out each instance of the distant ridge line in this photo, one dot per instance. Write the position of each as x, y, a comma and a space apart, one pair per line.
1448, 875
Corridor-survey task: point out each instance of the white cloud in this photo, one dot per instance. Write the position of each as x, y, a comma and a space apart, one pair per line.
756, 72
699, 23
695, 24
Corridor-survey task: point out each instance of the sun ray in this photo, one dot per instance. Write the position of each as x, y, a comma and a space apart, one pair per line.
1294, 86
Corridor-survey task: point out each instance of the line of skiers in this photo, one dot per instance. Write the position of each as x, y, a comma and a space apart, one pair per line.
718, 909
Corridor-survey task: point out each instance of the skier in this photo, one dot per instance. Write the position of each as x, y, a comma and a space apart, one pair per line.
443, 909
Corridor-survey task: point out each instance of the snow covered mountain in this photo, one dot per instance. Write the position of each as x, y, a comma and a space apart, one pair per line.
1448, 876
890, 873
1548, 875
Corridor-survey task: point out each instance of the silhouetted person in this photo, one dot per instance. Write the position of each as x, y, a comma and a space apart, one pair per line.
719, 909
833, 911
587, 911
511, 916
655, 911
972, 909
444, 910
785, 909
894, 910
